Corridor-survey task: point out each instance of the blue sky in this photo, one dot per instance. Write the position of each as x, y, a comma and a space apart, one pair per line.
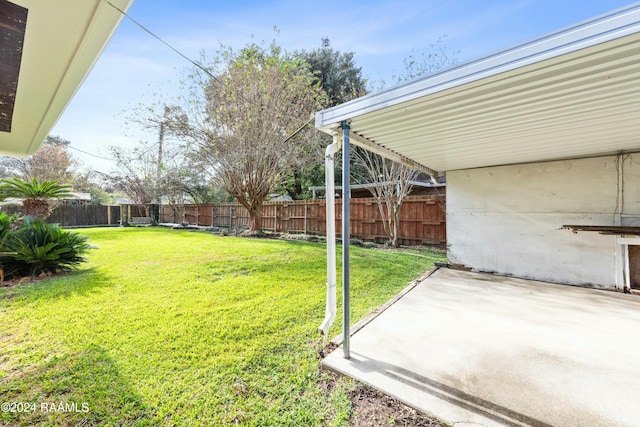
381, 33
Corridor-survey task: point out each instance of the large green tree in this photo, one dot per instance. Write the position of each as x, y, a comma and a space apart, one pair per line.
339, 76
342, 80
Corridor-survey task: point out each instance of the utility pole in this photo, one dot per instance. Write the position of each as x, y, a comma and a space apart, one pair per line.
155, 214
160, 143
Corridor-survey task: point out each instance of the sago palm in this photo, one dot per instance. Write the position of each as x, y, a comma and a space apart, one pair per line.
36, 195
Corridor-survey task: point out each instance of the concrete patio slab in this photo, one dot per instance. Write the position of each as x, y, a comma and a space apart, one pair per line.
478, 349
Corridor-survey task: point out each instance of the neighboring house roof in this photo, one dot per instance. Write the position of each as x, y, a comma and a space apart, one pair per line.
417, 185
11, 201
571, 93
74, 196
79, 196
275, 197
59, 43
124, 200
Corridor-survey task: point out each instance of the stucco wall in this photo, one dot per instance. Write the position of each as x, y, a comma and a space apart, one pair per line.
506, 219
631, 190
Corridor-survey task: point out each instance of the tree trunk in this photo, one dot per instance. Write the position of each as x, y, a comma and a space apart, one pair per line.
255, 218
387, 216
395, 226
37, 208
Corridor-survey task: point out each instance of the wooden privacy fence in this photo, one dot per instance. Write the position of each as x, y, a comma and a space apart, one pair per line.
422, 218
77, 215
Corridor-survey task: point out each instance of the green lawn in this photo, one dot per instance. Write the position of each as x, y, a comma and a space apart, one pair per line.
167, 327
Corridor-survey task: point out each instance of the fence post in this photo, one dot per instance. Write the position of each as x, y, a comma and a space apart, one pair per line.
305, 217
124, 215
275, 218
155, 214
212, 213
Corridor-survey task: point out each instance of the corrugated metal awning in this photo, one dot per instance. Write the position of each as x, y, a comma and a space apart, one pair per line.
572, 93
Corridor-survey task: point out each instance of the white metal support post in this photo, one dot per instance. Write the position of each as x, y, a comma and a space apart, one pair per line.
346, 239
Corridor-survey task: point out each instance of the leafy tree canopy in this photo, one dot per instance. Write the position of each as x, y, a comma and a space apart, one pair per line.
337, 72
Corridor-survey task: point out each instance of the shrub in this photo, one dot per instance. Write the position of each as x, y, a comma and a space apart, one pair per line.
296, 236
37, 247
356, 242
303, 237
7, 223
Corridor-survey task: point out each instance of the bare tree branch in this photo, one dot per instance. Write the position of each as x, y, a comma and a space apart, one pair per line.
392, 182
243, 123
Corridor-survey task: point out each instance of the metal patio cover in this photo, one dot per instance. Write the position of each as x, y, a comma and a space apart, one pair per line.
572, 93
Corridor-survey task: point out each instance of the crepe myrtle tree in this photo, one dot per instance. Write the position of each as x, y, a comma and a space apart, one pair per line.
389, 183
52, 162
247, 117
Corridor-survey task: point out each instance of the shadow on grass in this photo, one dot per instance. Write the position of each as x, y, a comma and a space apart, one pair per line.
106, 235
80, 282
82, 388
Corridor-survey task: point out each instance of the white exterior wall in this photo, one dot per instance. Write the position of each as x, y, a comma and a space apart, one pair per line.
507, 219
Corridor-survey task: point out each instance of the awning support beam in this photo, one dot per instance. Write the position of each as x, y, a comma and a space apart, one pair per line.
367, 144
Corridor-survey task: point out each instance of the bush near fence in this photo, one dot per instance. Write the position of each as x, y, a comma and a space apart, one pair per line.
422, 218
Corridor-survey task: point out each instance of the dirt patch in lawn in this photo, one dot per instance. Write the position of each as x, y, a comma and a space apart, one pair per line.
15, 281
372, 408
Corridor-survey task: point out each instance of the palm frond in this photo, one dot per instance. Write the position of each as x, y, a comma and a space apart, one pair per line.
16, 187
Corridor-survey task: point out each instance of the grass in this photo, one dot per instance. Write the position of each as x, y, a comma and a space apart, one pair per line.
168, 327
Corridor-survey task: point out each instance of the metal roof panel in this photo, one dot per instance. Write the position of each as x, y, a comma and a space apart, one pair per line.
572, 93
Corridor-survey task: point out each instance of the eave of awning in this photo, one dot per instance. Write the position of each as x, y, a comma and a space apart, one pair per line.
62, 41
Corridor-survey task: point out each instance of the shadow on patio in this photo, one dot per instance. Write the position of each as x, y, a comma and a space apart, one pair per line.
477, 348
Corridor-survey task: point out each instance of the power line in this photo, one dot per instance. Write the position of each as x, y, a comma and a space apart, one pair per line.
89, 154
191, 61
155, 36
